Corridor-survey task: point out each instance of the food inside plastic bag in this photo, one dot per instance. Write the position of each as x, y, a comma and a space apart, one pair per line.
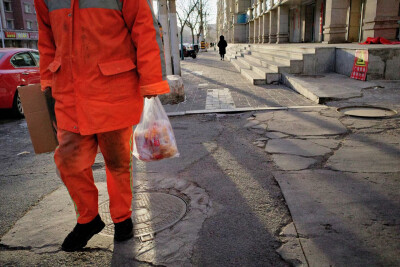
153, 137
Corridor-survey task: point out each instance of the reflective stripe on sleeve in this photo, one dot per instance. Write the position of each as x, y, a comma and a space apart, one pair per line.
57, 4
106, 4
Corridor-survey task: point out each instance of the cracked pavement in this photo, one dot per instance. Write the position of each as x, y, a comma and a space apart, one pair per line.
340, 177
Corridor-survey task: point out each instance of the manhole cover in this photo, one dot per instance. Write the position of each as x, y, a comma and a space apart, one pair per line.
152, 213
367, 111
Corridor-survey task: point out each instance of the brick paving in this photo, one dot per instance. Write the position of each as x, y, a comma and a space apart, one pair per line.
212, 84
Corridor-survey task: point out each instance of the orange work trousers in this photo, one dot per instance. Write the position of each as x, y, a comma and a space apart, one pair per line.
74, 158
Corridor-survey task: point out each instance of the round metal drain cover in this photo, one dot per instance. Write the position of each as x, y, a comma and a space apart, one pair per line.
152, 213
367, 111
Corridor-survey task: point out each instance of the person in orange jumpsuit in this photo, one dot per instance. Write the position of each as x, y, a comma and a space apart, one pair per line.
99, 58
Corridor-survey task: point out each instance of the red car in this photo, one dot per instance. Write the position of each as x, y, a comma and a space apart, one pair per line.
18, 66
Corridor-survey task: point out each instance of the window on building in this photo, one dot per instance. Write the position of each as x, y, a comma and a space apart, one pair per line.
7, 6
29, 25
10, 24
27, 8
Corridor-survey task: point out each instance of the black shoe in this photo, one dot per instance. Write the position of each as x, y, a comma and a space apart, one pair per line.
81, 234
123, 230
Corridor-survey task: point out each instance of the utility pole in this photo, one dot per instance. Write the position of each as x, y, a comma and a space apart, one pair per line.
2, 22
163, 17
174, 37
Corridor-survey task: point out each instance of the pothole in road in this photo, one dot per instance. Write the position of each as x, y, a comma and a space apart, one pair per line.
152, 213
367, 111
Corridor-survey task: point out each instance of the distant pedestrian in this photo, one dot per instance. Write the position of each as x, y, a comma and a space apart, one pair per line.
222, 45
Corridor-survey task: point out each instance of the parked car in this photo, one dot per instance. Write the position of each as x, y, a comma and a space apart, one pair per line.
188, 51
18, 67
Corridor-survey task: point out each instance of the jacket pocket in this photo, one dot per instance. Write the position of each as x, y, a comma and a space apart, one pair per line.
116, 67
54, 66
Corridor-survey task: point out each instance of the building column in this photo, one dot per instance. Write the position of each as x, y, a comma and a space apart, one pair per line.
255, 30
335, 28
273, 16
258, 32
283, 24
380, 19
265, 29
251, 32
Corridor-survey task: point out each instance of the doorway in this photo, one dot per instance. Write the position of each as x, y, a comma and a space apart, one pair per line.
309, 30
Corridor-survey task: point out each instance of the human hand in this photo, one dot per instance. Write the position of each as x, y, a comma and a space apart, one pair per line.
47, 91
149, 96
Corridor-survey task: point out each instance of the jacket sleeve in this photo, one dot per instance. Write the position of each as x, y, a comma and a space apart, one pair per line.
143, 26
47, 47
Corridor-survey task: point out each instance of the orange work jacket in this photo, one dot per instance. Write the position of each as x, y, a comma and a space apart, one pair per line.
100, 57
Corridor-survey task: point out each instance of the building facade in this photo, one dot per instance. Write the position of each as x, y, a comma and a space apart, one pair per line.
19, 24
302, 21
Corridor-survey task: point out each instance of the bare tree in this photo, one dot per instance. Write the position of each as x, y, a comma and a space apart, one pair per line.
186, 8
192, 23
203, 10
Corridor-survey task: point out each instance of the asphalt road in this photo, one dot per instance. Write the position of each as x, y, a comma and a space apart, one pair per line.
216, 153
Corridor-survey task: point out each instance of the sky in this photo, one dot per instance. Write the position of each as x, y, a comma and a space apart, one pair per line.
213, 9
212, 5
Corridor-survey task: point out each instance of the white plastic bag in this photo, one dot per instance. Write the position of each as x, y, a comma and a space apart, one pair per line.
153, 137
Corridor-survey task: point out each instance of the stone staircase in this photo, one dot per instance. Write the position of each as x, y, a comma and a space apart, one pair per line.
265, 64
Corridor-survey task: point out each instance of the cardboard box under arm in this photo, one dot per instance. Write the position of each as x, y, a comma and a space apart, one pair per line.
40, 117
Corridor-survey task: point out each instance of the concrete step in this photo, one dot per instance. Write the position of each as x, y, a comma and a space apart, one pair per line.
293, 49
242, 53
297, 85
273, 66
272, 57
280, 54
270, 76
230, 54
296, 65
326, 86
244, 62
238, 65
253, 77
266, 73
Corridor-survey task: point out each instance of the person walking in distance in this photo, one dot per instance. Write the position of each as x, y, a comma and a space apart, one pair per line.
222, 47
98, 59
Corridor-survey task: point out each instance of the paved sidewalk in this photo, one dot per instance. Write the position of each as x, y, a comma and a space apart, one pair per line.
212, 84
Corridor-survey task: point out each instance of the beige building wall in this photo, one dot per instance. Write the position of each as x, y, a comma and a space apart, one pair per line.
275, 21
